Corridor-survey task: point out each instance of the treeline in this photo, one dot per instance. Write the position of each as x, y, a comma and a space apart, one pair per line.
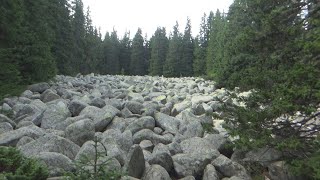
39, 39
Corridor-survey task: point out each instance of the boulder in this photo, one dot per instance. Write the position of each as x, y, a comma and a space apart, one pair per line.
147, 134
54, 114
134, 107
50, 143
167, 122
146, 122
98, 102
80, 131
163, 159
135, 165
76, 106
210, 173
11, 138
48, 96
5, 127
229, 168
100, 117
24, 140
39, 87
190, 164
4, 118
201, 99
199, 146
179, 107
156, 172
57, 163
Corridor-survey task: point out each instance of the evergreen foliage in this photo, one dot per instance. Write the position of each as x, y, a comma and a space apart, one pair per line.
138, 64
174, 55
14, 166
159, 48
185, 64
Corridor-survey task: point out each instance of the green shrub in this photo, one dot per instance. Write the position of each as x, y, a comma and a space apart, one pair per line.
13, 166
96, 168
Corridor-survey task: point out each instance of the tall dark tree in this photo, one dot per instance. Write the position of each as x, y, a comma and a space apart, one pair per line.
185, 66
79, 32
200, 48
215, 49
137, 64
159, 49
114, 54
174, 56
37, 62
125, 54
60, 22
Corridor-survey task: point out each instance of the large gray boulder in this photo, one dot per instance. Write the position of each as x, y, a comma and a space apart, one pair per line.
50, 143
100, 117
167, 122
229, 168
48, 96
199, 146
201, 99
191, 164
30, 112
4, 119
135, 164
80, 131
179, 107
156, 172
39, 87
5, 127
147, 134
210, 173
146, 122
57, 163
163, 159
11, 138
76, 106
54, 114
134, 107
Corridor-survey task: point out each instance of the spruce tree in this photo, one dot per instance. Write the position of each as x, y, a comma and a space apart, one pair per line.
125, 54
159, 49
137, 64
174, 55
185, 65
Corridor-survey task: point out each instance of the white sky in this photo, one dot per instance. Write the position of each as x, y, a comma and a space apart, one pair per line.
149, 14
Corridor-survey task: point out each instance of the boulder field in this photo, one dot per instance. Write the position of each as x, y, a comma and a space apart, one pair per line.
152, 128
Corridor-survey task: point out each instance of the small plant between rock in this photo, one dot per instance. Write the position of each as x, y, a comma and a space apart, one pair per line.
96, 168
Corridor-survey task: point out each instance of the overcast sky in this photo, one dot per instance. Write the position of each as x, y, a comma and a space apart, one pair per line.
149, 14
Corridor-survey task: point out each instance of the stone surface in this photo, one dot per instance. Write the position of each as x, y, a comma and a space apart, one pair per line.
11, 138
100, 117
50, 143
156, 172
54, 114
80, 131
135, 164
210, 173
229, 168
57, 163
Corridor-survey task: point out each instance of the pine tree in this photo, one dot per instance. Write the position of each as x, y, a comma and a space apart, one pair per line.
216, 46
185, 65
60, 22
200, 47
37, 62
125, 54
9, 37
174, 55
114, 54
78, 31
137, 64
159, 49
